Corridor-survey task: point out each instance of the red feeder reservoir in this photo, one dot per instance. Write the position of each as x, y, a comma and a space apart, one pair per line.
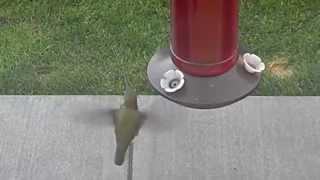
202, 68
204, 35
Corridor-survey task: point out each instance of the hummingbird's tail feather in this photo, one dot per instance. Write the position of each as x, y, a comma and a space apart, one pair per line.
120, 154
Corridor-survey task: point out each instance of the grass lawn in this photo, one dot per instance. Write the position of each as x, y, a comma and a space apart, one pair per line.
80, 46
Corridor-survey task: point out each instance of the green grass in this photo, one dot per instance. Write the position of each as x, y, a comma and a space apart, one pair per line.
80, 46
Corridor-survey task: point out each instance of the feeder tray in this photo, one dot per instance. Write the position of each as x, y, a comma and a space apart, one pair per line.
203, 92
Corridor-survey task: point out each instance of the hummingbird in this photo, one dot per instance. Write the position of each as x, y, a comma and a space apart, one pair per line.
128, 121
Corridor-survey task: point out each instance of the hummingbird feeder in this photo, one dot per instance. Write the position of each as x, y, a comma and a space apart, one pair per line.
203, 67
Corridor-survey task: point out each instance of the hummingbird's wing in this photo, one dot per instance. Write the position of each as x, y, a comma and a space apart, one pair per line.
93, 115
114, 114
143, 116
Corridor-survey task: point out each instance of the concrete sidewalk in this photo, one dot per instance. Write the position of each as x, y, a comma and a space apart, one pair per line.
71, 137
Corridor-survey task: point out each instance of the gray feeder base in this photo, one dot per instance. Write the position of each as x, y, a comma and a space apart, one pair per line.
203, 92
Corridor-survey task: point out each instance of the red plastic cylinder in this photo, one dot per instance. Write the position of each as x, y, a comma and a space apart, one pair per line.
204, 36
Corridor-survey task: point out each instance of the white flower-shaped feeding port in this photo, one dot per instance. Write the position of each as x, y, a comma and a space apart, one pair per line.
253, 63
172, 81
